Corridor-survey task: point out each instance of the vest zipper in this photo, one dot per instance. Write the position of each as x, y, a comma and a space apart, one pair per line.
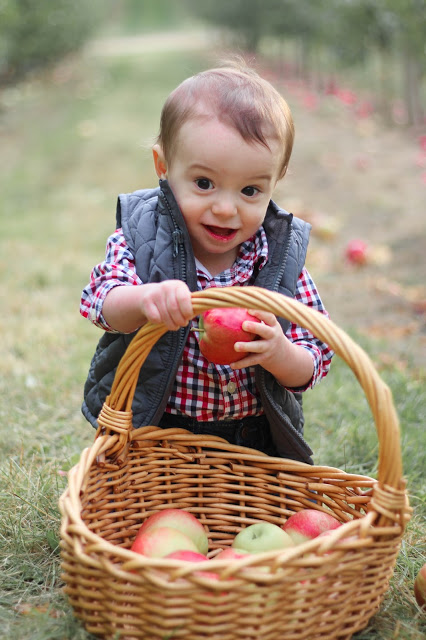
177, 239
284, 254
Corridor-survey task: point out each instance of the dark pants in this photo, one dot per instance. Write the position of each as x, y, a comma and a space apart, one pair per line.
250, 432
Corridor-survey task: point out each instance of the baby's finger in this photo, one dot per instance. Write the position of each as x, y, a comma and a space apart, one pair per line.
254, 346
250, 361
264, 316
152, 312
261, 329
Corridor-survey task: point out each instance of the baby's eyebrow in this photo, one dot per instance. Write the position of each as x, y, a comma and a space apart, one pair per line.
200, 167
196, 166
266, 176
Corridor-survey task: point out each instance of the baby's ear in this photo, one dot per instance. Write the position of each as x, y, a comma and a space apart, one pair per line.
159, 161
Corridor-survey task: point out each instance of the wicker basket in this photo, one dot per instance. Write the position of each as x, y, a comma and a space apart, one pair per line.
327, 588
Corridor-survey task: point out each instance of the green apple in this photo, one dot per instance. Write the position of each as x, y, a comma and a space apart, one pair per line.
260, 537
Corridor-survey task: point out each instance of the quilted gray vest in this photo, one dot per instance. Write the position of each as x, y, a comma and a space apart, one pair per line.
157, 236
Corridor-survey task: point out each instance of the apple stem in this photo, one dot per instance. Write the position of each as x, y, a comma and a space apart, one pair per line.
197, 330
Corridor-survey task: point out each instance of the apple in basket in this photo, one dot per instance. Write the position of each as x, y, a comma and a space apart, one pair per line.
231, 554
260, 537
182, 521
187, 556
420, 587
161, 541
219, 329
190, 556
307, 524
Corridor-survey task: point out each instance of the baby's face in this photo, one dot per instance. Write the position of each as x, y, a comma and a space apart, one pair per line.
223, 185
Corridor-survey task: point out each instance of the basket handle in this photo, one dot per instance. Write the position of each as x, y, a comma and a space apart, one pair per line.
377, 392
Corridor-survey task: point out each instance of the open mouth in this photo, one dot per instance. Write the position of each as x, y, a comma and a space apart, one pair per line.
224, 233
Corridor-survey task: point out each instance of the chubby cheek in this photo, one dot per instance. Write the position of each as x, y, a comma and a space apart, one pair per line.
190, 206
253, 220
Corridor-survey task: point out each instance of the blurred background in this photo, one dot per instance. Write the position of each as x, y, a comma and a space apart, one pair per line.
81, 89
378, 44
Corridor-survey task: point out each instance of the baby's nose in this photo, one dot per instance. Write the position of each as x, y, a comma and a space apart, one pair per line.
224, 205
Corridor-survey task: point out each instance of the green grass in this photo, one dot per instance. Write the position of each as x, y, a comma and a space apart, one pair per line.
70, 142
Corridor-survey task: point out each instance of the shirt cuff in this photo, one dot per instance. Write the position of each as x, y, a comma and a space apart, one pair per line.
317, 373
95, 314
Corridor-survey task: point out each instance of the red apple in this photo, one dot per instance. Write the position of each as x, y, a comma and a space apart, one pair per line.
308, 524
190, 556
159, 542
187, 556
420, 587
231, 554
183, 521
219, 329
356, 252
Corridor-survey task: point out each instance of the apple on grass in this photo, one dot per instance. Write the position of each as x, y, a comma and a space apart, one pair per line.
356, 252
182, 521
308, 524
160, 541
420, 587
219, 329
260, 537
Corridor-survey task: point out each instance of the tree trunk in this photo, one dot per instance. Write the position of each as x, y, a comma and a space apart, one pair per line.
412, 83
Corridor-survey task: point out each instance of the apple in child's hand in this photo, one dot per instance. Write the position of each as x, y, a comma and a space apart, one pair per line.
260, 537
307, 524
159, 542
219, 329
420, 587
183, 521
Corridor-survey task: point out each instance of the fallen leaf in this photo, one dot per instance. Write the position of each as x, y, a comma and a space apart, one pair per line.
26, 609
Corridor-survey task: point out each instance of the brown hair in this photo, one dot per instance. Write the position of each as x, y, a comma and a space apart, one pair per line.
237, 96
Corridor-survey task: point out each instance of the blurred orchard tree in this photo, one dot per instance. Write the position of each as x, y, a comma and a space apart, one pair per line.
336, 35
35, 34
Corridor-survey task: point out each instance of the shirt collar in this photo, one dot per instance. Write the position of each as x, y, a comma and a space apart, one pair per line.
251, 258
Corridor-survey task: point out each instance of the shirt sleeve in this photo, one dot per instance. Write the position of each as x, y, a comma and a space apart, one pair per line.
118, 269
307, 293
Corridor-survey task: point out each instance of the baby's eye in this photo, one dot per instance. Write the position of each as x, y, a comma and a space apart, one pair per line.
250, 191
204, 183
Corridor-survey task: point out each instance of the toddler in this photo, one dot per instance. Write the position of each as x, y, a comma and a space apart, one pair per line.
225, 140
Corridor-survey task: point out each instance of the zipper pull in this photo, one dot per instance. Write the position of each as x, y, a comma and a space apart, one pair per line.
177, 237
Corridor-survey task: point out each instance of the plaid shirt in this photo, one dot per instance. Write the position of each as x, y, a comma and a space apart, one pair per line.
204, 390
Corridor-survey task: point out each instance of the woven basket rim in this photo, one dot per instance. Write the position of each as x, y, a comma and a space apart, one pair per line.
362, 527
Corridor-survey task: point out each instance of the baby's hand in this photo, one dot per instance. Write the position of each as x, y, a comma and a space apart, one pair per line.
268, 349
168, 302
291, 364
